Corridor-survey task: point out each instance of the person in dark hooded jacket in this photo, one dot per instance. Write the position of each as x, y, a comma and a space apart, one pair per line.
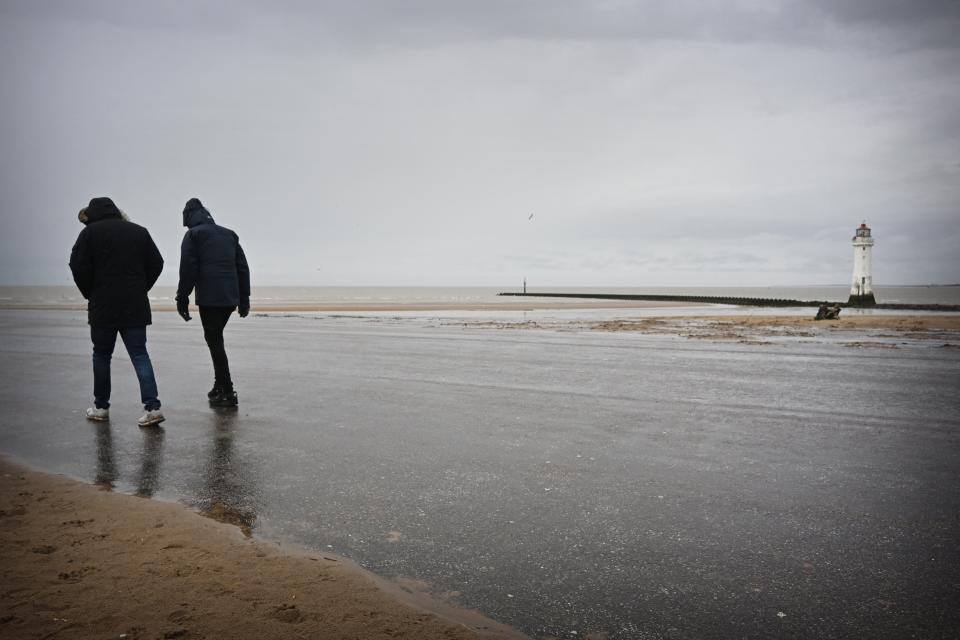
212, 262
114, 264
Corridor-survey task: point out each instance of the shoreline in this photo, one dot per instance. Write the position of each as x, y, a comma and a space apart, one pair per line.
306, 307
83, 561
673, 320
689, 319
539, 305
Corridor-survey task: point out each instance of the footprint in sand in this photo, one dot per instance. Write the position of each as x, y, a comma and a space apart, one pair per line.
76, 523
287, 613
45, 549
179, 616
76, 575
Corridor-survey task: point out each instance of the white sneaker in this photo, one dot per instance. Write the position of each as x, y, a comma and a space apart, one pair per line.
100, 415
151, 418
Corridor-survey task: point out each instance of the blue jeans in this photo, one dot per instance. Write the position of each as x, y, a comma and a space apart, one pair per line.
135, 340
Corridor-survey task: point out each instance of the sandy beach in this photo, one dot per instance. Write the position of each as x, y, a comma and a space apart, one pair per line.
729, 327
80, 562
917, 322
480, 320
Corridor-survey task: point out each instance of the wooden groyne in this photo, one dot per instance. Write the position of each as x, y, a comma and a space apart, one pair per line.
736, 300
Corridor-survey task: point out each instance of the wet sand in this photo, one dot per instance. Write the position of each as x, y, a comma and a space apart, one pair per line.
749, 327
79, 562
756, 327
546, 478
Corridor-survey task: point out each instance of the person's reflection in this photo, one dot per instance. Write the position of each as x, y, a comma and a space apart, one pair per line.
151, 454
106, 473
228, 493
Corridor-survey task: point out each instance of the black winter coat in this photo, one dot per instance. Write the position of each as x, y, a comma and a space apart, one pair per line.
115, 263
212, 260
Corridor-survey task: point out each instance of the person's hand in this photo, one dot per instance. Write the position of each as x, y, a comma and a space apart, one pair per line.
183, 308
244, 310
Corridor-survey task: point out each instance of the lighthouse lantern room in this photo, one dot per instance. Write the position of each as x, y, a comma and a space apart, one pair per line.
861, 292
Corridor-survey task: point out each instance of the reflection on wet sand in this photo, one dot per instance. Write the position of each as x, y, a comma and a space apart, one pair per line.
151, 455
227, 492
106, 473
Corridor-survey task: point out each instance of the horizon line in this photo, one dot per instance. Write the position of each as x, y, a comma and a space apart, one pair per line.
542, 286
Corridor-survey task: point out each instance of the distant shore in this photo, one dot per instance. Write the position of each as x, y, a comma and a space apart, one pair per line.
874, 318
476, 298
333, 307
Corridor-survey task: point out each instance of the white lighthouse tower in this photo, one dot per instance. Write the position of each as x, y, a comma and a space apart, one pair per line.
862, 290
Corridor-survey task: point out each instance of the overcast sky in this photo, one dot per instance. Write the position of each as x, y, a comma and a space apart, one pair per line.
409, 142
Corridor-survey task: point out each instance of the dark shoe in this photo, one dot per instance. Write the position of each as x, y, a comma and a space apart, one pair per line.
213, 393
224, 399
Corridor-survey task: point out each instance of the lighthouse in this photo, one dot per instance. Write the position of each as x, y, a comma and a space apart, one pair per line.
862, 290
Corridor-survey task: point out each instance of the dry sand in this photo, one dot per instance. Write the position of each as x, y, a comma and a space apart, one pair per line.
80, 562
738, 326
873, 321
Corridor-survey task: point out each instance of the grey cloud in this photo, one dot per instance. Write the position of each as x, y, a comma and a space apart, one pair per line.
920, 23
889, 13
204, 16
895, 24
900, 23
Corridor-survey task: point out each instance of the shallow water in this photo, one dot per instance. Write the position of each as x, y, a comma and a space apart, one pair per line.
642, 486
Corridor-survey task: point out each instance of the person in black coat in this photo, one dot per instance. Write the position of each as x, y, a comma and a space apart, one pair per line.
114, 264
213, 262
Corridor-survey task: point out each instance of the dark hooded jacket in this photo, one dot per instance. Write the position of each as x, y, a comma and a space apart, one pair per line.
212, 261
114, 263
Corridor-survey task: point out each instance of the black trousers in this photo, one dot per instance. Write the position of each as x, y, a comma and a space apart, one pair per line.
214, 320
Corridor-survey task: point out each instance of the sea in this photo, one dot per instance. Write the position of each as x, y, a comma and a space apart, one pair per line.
345, 296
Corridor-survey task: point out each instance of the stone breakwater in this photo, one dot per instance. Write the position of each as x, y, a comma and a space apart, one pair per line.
736, 300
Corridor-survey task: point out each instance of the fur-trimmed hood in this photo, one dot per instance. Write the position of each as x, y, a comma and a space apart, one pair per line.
99, 209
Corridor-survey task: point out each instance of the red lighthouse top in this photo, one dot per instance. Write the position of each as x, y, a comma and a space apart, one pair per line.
863, 231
